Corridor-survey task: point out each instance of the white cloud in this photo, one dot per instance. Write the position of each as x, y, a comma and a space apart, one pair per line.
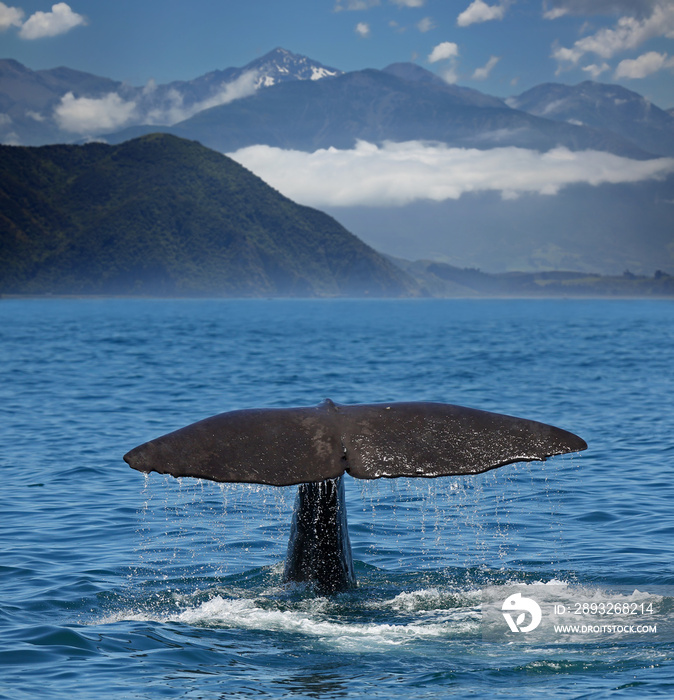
563, 55
86, 115
8, 136
446, 51
245, 85
363, 30
636, 8
61, 19
355, 5
451, 74
555, 13
628, 33
89, 115
36, 116
10, 17
409, 3
396, 174
483, 73
443, 51
170, 111
425, 25
646, 64
150, 87
479, 11
596, 70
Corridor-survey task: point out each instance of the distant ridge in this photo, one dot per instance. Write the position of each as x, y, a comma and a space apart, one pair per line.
603, 106
377, 106
229, 108
163, 216
37, 107
443, 280
467, 96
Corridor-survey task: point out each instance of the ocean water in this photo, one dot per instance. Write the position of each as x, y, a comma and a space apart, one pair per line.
118, 585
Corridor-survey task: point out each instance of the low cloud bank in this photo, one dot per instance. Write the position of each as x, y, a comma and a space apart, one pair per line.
86, 115
173, 109
396, 174
89, 115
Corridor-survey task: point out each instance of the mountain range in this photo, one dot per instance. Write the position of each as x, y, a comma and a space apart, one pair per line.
287, 101
313, 106
38, 107
600, 106
377, 106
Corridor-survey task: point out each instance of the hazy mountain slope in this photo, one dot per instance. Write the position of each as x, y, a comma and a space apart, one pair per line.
37, 89
227, 109
443, 280
160, 215
28, 99
610, 107
375, 106
38, 107
605, 229
466, 96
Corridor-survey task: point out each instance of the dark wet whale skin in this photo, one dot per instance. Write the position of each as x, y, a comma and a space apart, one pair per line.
319, 550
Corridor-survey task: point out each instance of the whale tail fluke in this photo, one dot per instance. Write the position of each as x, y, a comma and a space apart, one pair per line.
314, 447
283, 446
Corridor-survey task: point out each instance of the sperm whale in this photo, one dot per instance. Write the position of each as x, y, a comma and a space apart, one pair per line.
316, 446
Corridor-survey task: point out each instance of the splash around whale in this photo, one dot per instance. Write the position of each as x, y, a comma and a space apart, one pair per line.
316, 446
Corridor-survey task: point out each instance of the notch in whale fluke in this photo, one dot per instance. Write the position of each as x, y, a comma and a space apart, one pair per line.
283, 446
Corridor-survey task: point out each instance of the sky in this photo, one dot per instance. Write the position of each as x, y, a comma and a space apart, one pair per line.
501, 47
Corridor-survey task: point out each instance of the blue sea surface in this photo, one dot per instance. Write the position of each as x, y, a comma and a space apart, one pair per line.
118, 585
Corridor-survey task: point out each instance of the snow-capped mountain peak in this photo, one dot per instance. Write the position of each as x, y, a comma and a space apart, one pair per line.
281, 65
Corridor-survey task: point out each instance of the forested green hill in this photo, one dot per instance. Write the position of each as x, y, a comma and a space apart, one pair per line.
160, 215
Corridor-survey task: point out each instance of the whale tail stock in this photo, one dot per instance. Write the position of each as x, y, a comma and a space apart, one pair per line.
306, 446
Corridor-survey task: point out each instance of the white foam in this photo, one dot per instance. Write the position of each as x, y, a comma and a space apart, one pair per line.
427, 613
246, 614
313, 618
